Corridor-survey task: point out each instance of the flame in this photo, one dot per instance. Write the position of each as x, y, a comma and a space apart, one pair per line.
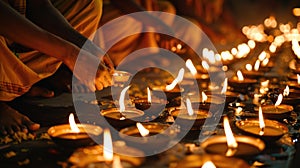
231, 142
205, 65
225, 84
256, 65
286, 91
265, 62
189, 107
208, 164
107, 146
265, 83
240, 75
117, 162
72, 123
298, 79
121, 99
176, 80
261, 121
248, 67
189, 64
143, 131
204, 97
149, 95
279, 100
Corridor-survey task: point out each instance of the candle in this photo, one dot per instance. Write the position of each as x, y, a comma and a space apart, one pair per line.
74, 135
241, 84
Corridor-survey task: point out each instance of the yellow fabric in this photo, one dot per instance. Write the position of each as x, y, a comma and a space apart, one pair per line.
19, 74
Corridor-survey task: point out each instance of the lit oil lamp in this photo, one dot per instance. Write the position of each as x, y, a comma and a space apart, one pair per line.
147, 136
116, 155
268, 130
207, 101
278, 110
74, 135
253, 73
187, 115
230, 145
295, 81
241, 84
291, 96
200, 77
121, 117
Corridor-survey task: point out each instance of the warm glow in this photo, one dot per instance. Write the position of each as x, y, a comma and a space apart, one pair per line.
208, 164
204, 97
189, 107
256, 65
148, 95
265, 83
231, 142
107, 146
265, 62
205, 65
272, 48
225, 84
279, 100
261, 121
209, 55
226, 55
240, 75
296, 11
238, 111
248, 67
121, 99
286, 91
262, 55
251, 44
270, 22
117, 162
176, 80
72, 123
143, 131
298, 79
189, 64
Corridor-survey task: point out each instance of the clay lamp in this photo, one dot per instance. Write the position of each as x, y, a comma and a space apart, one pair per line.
241, 84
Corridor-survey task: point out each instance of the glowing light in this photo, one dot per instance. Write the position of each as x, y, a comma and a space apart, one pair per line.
279, 100
286, 91
189, 107
122, 99
248, 67
148, 95
240, 75
72, 123
261, 121
225, 84
204, 97
256, 65
231, 142
107, 146
143, 131
189, 64
208, 164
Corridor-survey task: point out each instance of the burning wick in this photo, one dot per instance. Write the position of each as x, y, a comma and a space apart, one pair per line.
73, 125
278, 102
286, 91
208, 164
176, 80
121, 102
261, 122
107, 146
204, 97
231, 142
143, 131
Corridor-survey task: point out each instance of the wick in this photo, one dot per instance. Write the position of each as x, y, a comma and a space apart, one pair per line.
122, 116
231, 151
262, 131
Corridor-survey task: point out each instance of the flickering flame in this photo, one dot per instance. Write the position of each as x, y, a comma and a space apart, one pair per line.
238, 111
233, 51
231, 142
189, 64
256, 65
149, 95
205, 65
117, 162
72, 123
189, 107
107, 146
240, 75
262, 55
176, 80
261, 121
143, 131
208, 164
296, 11
286, 91
204, 97
251, 44
265, 83
225, 84
298, 79
121, 99
279, 100
265, 62
248, 67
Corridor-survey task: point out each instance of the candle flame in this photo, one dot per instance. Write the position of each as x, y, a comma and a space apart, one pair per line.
117, 162
107, 146
205, 65
189, 64
231, 142
265, 62
143, 131
279, 100
225, 84
240, 75
261, 121
204, 97
265, 83
189, 107
72, 123
208, 164
248, 67
286, 91
256, 65
121, 99
298, 79
149, 95
176, 80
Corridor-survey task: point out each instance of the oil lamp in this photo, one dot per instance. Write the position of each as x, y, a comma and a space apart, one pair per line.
230, 145
241, 84
74, 135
